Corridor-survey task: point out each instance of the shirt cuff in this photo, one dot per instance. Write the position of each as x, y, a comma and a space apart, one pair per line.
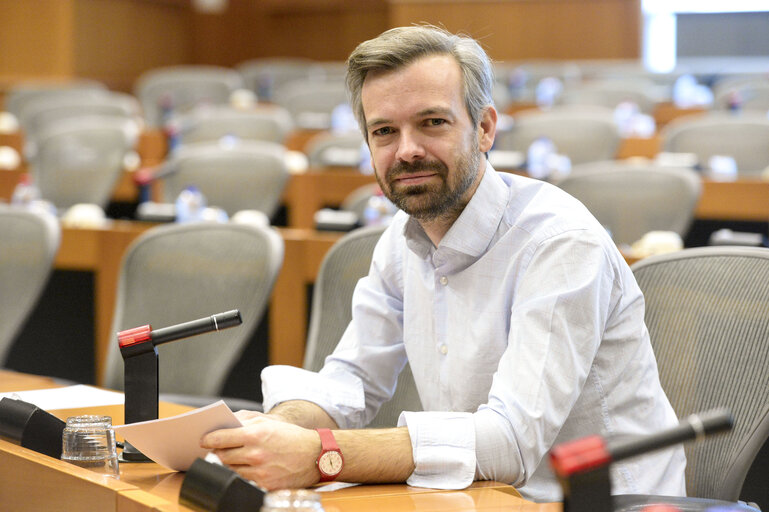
340, 395
443, 446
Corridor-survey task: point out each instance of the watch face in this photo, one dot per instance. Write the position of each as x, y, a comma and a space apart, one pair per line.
330, 463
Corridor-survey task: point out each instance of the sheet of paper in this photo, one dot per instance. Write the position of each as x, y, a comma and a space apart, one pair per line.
175, 442
69, 397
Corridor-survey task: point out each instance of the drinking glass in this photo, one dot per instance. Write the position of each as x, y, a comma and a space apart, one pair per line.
89, 442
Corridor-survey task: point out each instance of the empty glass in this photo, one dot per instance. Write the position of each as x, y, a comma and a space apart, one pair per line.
89, 442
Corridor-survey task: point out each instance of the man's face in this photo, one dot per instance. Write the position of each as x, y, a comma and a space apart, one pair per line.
426, 153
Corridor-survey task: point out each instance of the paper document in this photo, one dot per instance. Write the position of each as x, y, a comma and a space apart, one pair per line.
175, 442
69, 397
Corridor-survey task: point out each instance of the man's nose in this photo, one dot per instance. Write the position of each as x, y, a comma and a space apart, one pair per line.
410, 147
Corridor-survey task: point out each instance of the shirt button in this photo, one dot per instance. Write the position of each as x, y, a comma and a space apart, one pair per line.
444, 280
444, 349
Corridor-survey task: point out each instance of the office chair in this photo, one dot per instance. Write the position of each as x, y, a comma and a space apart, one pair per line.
167, 91
742, 136
345, 263
707, 311
610, 93
329, 149
264, 76
244, 175
79, 160
584, 134
744, 95
631, 199
21, 93
211, 123
30, 241
180, 272
311, 103
39, 113
357, 200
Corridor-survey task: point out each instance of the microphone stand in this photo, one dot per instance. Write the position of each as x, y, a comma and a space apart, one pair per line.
138, 346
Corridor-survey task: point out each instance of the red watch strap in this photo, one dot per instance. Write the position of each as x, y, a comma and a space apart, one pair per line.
327, 441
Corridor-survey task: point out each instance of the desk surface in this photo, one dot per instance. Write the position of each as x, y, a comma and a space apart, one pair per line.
31, 481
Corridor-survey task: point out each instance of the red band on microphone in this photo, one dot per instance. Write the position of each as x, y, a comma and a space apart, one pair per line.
134, 336
579, 455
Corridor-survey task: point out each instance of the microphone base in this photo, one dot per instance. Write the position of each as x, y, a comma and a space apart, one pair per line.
131, 454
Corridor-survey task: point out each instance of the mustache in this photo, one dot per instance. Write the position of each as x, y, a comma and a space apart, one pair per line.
401, 168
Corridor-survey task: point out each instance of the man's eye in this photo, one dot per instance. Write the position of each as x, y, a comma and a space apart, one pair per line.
436, 122
385, 130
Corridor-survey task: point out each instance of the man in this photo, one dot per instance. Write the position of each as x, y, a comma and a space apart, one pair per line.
521, 321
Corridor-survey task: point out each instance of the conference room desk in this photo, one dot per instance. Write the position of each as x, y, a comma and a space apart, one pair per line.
32, 481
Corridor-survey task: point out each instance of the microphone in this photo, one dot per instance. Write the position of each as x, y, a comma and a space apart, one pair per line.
582, 465
144, 333
594, 451
138, 346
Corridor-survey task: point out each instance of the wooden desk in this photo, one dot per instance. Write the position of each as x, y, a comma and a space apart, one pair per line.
100, 251
31, 481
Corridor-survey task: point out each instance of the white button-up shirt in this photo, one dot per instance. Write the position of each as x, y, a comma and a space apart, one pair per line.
523, 328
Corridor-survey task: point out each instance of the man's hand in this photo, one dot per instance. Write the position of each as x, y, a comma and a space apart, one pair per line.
271, 452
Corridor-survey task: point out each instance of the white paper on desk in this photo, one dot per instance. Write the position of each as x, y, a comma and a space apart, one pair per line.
69, 397
175, 442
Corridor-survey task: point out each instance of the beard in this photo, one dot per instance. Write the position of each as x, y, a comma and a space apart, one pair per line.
431, 201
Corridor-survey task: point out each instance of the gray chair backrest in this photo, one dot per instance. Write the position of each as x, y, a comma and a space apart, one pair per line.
24, 92
357, 200
584, 134
335, 149
247, 175
743, 137
180, 272
345, 263
610, 93
28, 244
311, 103
707, 310
181, 88
40, 113
266, 75
79, 160
632, 199
207, 124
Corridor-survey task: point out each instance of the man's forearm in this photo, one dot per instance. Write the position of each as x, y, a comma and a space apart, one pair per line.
303, 413
370, 455
375, 455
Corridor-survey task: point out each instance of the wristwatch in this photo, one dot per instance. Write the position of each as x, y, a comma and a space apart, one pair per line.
330, 460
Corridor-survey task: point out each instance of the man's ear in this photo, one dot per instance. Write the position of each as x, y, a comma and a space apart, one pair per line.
487, 129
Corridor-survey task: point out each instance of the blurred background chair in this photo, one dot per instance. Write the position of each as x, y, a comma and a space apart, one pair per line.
331, 149
164, 92
29, 244
357, 200
311, 104
630, 199
243, 175
21, 93
742, 93
180, 272
707, 311
610, 93
742, 136
584, 134
41, 112
345, 263
264, 76
79, 160
211, 123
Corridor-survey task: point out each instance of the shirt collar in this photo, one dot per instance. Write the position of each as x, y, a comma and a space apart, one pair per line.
475, 227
